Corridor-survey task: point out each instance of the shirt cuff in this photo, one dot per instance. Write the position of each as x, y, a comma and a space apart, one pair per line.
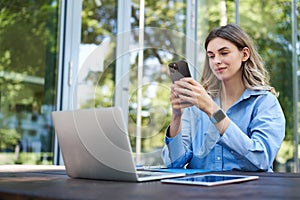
168, 139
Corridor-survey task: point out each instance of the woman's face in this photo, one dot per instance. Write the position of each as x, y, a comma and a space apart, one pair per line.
225, 59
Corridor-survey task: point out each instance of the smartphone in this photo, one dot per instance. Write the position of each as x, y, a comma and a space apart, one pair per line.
178, 70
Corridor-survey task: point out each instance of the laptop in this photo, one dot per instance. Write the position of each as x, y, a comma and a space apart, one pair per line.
95, 145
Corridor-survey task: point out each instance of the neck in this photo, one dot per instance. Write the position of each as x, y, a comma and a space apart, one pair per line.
230, 93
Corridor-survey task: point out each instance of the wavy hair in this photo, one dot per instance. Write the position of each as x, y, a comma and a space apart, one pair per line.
254, 74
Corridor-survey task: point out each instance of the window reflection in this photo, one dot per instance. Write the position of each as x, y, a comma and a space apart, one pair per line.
95, 83
164, 41
28, 64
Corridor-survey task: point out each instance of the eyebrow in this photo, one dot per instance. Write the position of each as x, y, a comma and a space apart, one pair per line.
221, 49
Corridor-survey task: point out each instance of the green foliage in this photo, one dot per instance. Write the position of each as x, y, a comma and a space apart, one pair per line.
26, 29
26, 158
8, 139
28, 65
286, 152
98, 22
269, 24
25, 24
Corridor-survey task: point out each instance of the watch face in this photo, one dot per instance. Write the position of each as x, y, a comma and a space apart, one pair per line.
219, 115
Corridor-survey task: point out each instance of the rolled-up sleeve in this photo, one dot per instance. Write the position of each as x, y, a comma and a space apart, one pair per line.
174, 153
177, 151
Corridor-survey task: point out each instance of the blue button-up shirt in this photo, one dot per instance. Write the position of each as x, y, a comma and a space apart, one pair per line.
250, 142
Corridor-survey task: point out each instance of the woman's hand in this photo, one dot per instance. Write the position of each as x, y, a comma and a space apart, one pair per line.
188, 92
177, 108
177, 103
185, 93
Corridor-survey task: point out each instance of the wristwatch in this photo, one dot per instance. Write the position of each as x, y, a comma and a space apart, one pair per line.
217, 116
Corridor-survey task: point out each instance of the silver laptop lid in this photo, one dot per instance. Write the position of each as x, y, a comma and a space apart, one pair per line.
95, 144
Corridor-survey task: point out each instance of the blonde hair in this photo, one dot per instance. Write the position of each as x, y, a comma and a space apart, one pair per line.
254, 74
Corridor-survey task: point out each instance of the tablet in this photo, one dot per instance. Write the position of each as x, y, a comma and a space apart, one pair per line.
210, 179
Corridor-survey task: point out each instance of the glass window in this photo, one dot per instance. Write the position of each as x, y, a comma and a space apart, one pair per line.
164, 40
270, 26
96, 80
28, 76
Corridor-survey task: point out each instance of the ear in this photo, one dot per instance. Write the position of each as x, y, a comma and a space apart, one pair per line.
245, 54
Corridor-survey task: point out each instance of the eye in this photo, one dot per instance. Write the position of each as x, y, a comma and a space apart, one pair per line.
210, 56
224, 53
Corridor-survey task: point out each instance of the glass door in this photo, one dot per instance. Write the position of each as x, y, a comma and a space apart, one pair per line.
28, 77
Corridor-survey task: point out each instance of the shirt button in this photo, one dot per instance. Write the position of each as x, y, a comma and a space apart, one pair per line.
231, 151
218, 158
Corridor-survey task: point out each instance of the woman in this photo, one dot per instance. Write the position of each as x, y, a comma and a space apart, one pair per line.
233, 120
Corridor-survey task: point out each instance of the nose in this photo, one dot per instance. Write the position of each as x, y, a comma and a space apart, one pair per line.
217, 59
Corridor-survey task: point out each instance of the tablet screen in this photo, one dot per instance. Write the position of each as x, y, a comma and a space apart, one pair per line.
210, 179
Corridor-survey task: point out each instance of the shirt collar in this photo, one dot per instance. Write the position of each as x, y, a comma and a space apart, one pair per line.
247, 94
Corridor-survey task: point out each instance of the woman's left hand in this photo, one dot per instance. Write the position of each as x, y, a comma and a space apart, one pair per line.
190, 92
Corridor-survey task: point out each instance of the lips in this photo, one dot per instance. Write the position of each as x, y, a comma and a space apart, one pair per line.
220, 69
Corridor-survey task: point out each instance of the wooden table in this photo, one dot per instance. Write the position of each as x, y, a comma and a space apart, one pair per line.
51, 182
